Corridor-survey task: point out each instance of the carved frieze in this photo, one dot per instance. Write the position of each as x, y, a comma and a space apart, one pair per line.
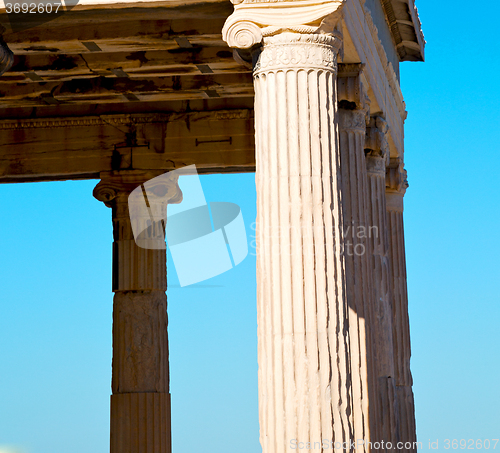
296, 51
125, 120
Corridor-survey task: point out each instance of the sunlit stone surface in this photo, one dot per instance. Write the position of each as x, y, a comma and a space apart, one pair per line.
303, 92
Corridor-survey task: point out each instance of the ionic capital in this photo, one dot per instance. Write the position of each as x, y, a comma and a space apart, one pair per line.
352, 120
139, 201
396, 179
6, 56
117, 186
351, 92
377, 146
254, 20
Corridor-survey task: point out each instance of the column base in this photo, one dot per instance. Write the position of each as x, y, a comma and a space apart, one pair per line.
140, 423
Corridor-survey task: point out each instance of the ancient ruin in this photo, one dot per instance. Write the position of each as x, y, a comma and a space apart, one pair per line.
305, 93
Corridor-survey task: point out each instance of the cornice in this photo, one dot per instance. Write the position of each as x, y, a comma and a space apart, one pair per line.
408, 50
418, 24
388, 68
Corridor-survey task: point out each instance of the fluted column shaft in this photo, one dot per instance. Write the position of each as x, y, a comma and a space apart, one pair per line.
303, 347
358, 270
396, 184
140, 404
381, 310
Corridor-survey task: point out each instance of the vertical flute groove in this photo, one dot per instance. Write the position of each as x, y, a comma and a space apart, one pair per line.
303, 336
358, 270
401, 327
381, 310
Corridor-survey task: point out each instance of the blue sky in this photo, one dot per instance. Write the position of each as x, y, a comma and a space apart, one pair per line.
452, 221
56, 300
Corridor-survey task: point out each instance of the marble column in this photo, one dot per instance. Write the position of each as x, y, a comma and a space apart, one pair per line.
303, 329
396, 185
140, 403
353, 111
303, 340
377, 157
